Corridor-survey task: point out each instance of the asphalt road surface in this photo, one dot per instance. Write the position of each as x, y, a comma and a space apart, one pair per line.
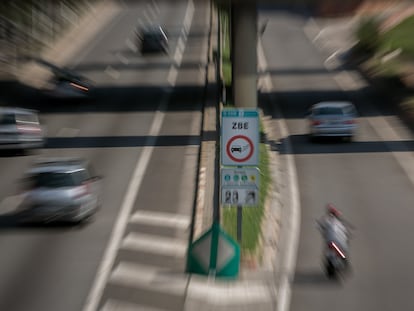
142, 133
369, 179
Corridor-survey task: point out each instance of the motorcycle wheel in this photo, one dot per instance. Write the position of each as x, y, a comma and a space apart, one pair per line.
330, 270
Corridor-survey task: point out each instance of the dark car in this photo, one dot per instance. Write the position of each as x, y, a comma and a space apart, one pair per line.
153, 39
68, 85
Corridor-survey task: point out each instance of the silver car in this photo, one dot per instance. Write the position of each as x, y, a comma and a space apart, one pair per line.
20, 129
60, 189
332, 119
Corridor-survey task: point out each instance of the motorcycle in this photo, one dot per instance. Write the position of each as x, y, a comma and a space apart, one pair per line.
336, 260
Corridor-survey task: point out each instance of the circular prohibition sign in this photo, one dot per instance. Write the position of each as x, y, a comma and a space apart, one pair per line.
250, 147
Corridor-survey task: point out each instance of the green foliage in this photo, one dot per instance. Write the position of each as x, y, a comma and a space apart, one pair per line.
400, 37
368, 35
226, 45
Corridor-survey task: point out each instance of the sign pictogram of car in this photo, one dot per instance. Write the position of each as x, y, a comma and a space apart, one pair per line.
236, 149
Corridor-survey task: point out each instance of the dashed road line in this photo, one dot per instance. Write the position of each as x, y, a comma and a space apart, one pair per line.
133, 274
161, 219
131, 45
122, 58
155, 245
113, 73
143, 276
117, 305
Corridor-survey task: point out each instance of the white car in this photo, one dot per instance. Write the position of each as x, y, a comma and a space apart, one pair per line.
332, 119
60, 190
20, 129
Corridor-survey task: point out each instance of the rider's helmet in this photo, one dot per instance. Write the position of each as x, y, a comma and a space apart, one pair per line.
332, 210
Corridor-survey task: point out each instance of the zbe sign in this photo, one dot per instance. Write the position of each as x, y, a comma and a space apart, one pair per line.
240, 137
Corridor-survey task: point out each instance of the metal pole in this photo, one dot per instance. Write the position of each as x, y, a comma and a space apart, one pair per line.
244, 61
216, 195
239, 223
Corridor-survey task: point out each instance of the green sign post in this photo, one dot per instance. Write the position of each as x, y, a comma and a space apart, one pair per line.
215, 252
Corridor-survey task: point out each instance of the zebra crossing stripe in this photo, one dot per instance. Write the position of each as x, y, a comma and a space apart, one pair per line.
161, 219
154, 244
149, 277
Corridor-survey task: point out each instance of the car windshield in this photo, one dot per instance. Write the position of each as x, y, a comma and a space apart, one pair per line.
328, 111
58, 180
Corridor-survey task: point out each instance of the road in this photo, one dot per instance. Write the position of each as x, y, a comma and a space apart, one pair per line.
369, 179
142, 133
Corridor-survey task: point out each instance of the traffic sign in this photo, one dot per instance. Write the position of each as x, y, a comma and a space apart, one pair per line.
240, 177
241, 196
240, 137
215, 251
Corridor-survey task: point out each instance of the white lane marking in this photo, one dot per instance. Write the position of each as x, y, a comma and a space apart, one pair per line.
348, 81
10, 204
154, 244
141, 23
172, 75
161, 219
229, 294
311, 29
180, 46
124, 214
116, 305
148, 277
155, 5
389, 135
122, 58
151, 10
179, 50
67, 132
131, 45
189, 13
147, 17
289, 260
113, 73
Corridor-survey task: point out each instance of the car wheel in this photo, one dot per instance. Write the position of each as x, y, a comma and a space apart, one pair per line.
348, 139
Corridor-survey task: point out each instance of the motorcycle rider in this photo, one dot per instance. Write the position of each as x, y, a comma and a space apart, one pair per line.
333, 228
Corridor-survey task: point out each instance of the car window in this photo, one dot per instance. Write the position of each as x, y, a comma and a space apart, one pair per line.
52, 180
7, 119
350, 110
80, 176
328, 111
152, 36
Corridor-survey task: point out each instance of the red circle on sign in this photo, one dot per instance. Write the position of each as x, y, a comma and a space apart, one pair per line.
228, 147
